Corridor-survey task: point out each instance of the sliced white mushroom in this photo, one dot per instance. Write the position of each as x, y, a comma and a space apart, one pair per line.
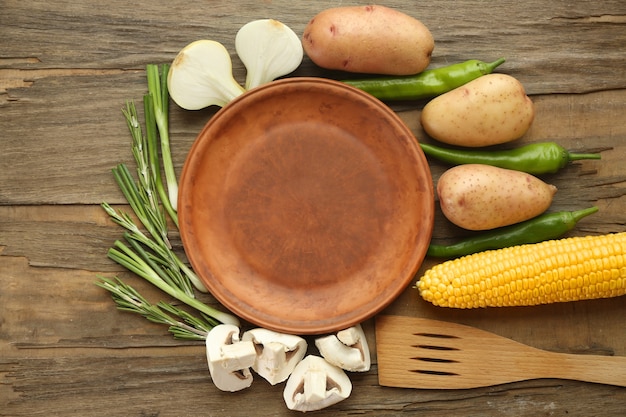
202, 75
229, 358
315, 384
269, 49
277, 353
348, 349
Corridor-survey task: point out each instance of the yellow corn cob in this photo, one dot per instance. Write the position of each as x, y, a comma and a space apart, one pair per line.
577, 268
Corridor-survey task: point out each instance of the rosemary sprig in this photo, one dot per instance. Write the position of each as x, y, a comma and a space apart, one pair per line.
147, 180
139, 261
144, 196
157, 241
128, 299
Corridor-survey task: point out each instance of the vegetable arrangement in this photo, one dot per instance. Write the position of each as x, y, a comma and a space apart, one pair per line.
201, 75
495, 191
492, 191
519, 259
312, 382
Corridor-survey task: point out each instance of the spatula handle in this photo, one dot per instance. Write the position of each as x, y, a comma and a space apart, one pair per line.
589, 368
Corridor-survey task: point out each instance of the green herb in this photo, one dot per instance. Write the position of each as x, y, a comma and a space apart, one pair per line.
143, 198
136, 259
147, 250
128, 299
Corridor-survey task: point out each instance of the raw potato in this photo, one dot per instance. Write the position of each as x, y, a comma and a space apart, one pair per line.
489, 110
368, 39
483, 197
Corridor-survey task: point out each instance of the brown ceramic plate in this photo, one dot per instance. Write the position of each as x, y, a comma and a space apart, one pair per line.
306, 206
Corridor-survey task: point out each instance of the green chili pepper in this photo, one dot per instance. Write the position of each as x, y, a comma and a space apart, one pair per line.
536, 158
426, 84
544, 227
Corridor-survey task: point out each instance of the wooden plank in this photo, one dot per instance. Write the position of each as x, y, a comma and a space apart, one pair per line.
535, 36
137, 388
73, 236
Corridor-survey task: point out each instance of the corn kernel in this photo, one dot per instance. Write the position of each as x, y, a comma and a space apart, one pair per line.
565, 282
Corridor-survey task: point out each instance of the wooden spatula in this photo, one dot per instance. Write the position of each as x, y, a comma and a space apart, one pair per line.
431, 354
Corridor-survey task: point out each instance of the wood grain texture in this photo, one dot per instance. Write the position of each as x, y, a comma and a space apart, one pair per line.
414, 352
67, 69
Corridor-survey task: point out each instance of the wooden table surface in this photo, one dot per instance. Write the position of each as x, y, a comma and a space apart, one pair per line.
66, 70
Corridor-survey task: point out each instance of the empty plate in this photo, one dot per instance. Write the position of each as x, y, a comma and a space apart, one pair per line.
306, 206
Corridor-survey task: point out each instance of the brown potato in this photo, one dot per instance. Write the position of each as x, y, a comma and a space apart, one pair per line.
483, 197
489, 110
368, 39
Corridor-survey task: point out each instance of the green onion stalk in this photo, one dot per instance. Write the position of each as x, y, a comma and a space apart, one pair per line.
158, 115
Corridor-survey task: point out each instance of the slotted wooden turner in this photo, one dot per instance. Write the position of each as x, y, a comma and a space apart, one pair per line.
430, 354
